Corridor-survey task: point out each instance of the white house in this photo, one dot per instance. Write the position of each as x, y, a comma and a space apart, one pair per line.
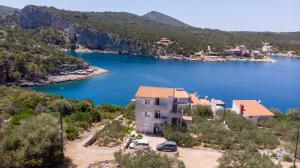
251, 109
157, 106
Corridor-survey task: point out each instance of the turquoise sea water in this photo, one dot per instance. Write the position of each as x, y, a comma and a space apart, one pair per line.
275, 84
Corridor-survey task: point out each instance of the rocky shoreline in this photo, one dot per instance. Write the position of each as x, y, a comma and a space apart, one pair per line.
202, 58
218, 59
80, 74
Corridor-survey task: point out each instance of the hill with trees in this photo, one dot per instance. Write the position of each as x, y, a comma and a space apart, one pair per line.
120, 31
24, 57
164, 19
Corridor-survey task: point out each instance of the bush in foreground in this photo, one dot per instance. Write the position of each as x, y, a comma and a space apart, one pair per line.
247, 158
142, 159
33, 143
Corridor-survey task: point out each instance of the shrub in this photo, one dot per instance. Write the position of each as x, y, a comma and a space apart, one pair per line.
112, 133
294, 114
111, 108
21, 116
203, 112
145, 160
33, 143
63, 106
96, 117
287, 158
211, 132
273, 154
130, 111
182, 137
262, 138
72, 132
237, 122
279, 115
267, 123
247, 158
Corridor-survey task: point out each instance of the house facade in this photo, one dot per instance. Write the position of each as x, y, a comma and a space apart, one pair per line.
251, 109
157, 106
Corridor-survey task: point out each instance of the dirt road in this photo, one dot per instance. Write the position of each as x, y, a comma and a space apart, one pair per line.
82, 157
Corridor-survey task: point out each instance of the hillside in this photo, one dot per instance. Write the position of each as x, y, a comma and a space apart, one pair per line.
132, 34
24, 57
5, 10
164, 19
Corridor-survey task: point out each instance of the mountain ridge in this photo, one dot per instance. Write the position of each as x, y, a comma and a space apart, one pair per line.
128, 33
164, 19
6, 10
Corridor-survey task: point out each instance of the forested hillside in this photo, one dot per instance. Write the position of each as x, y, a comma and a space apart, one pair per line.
141, 32
24, 57
164, 19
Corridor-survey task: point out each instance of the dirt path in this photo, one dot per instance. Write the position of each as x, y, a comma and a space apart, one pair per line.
82, 157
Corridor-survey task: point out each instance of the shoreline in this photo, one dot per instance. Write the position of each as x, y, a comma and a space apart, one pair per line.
285, 55
218, 59
92, 71
81, 74
202, 58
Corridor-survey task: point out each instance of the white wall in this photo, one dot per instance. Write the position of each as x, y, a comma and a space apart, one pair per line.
146, 124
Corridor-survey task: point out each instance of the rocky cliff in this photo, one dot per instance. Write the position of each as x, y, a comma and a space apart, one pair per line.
75, 35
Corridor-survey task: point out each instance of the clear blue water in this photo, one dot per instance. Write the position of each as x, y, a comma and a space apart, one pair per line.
275, 84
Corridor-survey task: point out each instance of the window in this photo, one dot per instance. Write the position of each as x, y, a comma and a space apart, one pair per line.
157, 114
147, 101
156, 101
147, 114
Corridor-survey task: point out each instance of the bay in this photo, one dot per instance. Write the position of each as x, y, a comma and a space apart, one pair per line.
275, 84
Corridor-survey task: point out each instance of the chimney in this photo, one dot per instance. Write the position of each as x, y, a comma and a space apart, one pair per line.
242, 109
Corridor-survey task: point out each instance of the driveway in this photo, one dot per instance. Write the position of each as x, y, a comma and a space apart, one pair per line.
192, 157
82, 157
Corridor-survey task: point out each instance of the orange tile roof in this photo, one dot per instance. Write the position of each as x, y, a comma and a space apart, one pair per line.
253, 108
154, 92
181, 93
198, 101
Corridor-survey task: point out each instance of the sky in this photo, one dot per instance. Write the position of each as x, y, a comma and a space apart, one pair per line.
230, 15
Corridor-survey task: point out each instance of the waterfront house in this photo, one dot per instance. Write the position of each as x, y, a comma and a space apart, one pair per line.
251, 109
291, 53
267, 48
256, 54
164, 41
158, 106
238, 51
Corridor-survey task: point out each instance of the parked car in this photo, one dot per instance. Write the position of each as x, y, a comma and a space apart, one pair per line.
139, 145
167, 146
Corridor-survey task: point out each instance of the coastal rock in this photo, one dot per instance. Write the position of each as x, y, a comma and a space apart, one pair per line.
36, 17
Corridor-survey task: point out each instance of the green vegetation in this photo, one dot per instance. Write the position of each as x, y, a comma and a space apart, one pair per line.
145, 160
112, 133
30, 127
240, 138
248, 158
130, 111
140, 31
33, 143
24, 57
